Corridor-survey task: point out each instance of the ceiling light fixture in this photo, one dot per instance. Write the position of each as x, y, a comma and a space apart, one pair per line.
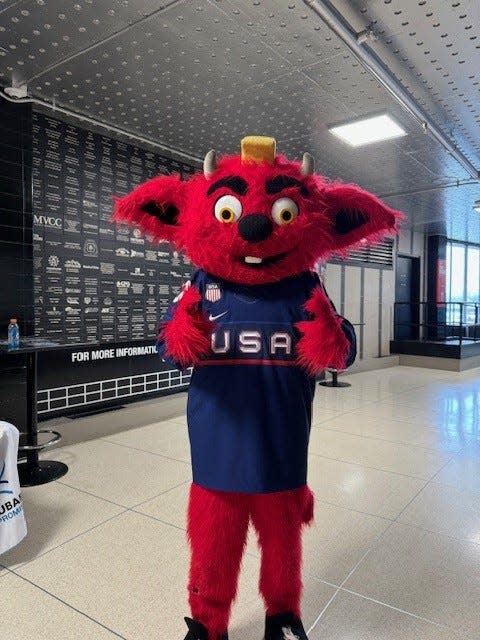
368, 130
334, 20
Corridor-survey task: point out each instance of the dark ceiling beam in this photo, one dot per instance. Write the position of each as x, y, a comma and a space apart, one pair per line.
356, 43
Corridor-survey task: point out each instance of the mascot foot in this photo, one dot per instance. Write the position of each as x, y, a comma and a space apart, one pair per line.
284, 626
196, 631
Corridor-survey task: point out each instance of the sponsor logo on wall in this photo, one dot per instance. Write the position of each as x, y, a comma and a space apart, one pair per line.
91, 278
90, 248
47, 221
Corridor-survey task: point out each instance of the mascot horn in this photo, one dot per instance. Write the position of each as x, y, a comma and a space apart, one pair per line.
257, 326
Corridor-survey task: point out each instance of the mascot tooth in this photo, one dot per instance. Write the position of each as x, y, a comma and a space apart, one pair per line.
254, 320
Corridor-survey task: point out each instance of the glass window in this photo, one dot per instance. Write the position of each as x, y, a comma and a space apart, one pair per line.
455, 280
473, 274
463, 281
457, 273
448, 271
473, 283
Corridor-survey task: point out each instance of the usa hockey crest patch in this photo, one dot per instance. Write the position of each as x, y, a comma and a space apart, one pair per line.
213, 293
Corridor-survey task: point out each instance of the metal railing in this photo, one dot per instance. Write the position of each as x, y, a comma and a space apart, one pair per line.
433, 321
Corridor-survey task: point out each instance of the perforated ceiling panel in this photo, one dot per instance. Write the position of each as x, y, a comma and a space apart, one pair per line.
203, 73
460, 222
433, 47
40, 34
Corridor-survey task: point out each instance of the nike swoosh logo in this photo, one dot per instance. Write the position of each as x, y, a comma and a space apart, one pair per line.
210, 317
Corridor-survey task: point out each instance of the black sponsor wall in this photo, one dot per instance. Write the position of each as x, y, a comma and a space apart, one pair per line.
69, 274
16, 269
94, 281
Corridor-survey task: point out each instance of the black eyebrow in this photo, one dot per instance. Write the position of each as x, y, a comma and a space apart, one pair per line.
274, 185
235, 183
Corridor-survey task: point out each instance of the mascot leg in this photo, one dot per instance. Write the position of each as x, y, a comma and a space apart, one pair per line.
278, 519
217, 531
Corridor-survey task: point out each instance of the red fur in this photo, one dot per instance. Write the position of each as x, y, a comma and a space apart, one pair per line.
163, 190
187, 334
323, 343
218, 248
278, 519
217, 531
382, 219
218, 521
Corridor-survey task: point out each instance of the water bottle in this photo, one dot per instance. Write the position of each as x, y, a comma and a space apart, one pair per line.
13, 333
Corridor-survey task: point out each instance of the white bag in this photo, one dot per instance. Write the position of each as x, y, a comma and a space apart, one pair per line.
13, 527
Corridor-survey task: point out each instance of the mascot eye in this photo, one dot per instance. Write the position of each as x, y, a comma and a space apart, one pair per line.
284, 211
228, 209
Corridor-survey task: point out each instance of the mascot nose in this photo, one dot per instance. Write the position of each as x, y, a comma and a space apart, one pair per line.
255, 227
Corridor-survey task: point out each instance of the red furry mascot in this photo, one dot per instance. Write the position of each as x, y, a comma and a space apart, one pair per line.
257, 326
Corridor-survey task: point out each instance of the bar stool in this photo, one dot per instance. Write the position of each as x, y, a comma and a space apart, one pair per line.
334, 382
33, 471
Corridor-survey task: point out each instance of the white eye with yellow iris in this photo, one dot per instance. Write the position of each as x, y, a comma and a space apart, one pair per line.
284, 211
228, 209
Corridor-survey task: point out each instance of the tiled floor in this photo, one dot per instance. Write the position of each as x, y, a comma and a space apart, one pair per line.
394, 554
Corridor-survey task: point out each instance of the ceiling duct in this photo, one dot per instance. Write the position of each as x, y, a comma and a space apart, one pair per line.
372, 63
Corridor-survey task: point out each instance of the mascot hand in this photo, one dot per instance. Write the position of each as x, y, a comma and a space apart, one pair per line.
322, 343
187, 335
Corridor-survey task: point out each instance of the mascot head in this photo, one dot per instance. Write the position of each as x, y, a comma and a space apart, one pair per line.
258, 217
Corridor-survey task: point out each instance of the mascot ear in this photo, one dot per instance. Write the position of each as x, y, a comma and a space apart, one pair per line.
154, 207
357, 216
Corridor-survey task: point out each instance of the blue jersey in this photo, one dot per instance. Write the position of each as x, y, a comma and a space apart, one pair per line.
249, 405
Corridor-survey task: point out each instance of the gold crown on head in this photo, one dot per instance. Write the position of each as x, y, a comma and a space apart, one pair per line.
258, 149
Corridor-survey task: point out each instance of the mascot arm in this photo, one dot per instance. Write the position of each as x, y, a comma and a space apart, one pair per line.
185, 333
327, 339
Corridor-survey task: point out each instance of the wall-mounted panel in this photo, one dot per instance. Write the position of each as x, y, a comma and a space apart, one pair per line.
95, 281
386, 311
352, 304
371, 304
333, 279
